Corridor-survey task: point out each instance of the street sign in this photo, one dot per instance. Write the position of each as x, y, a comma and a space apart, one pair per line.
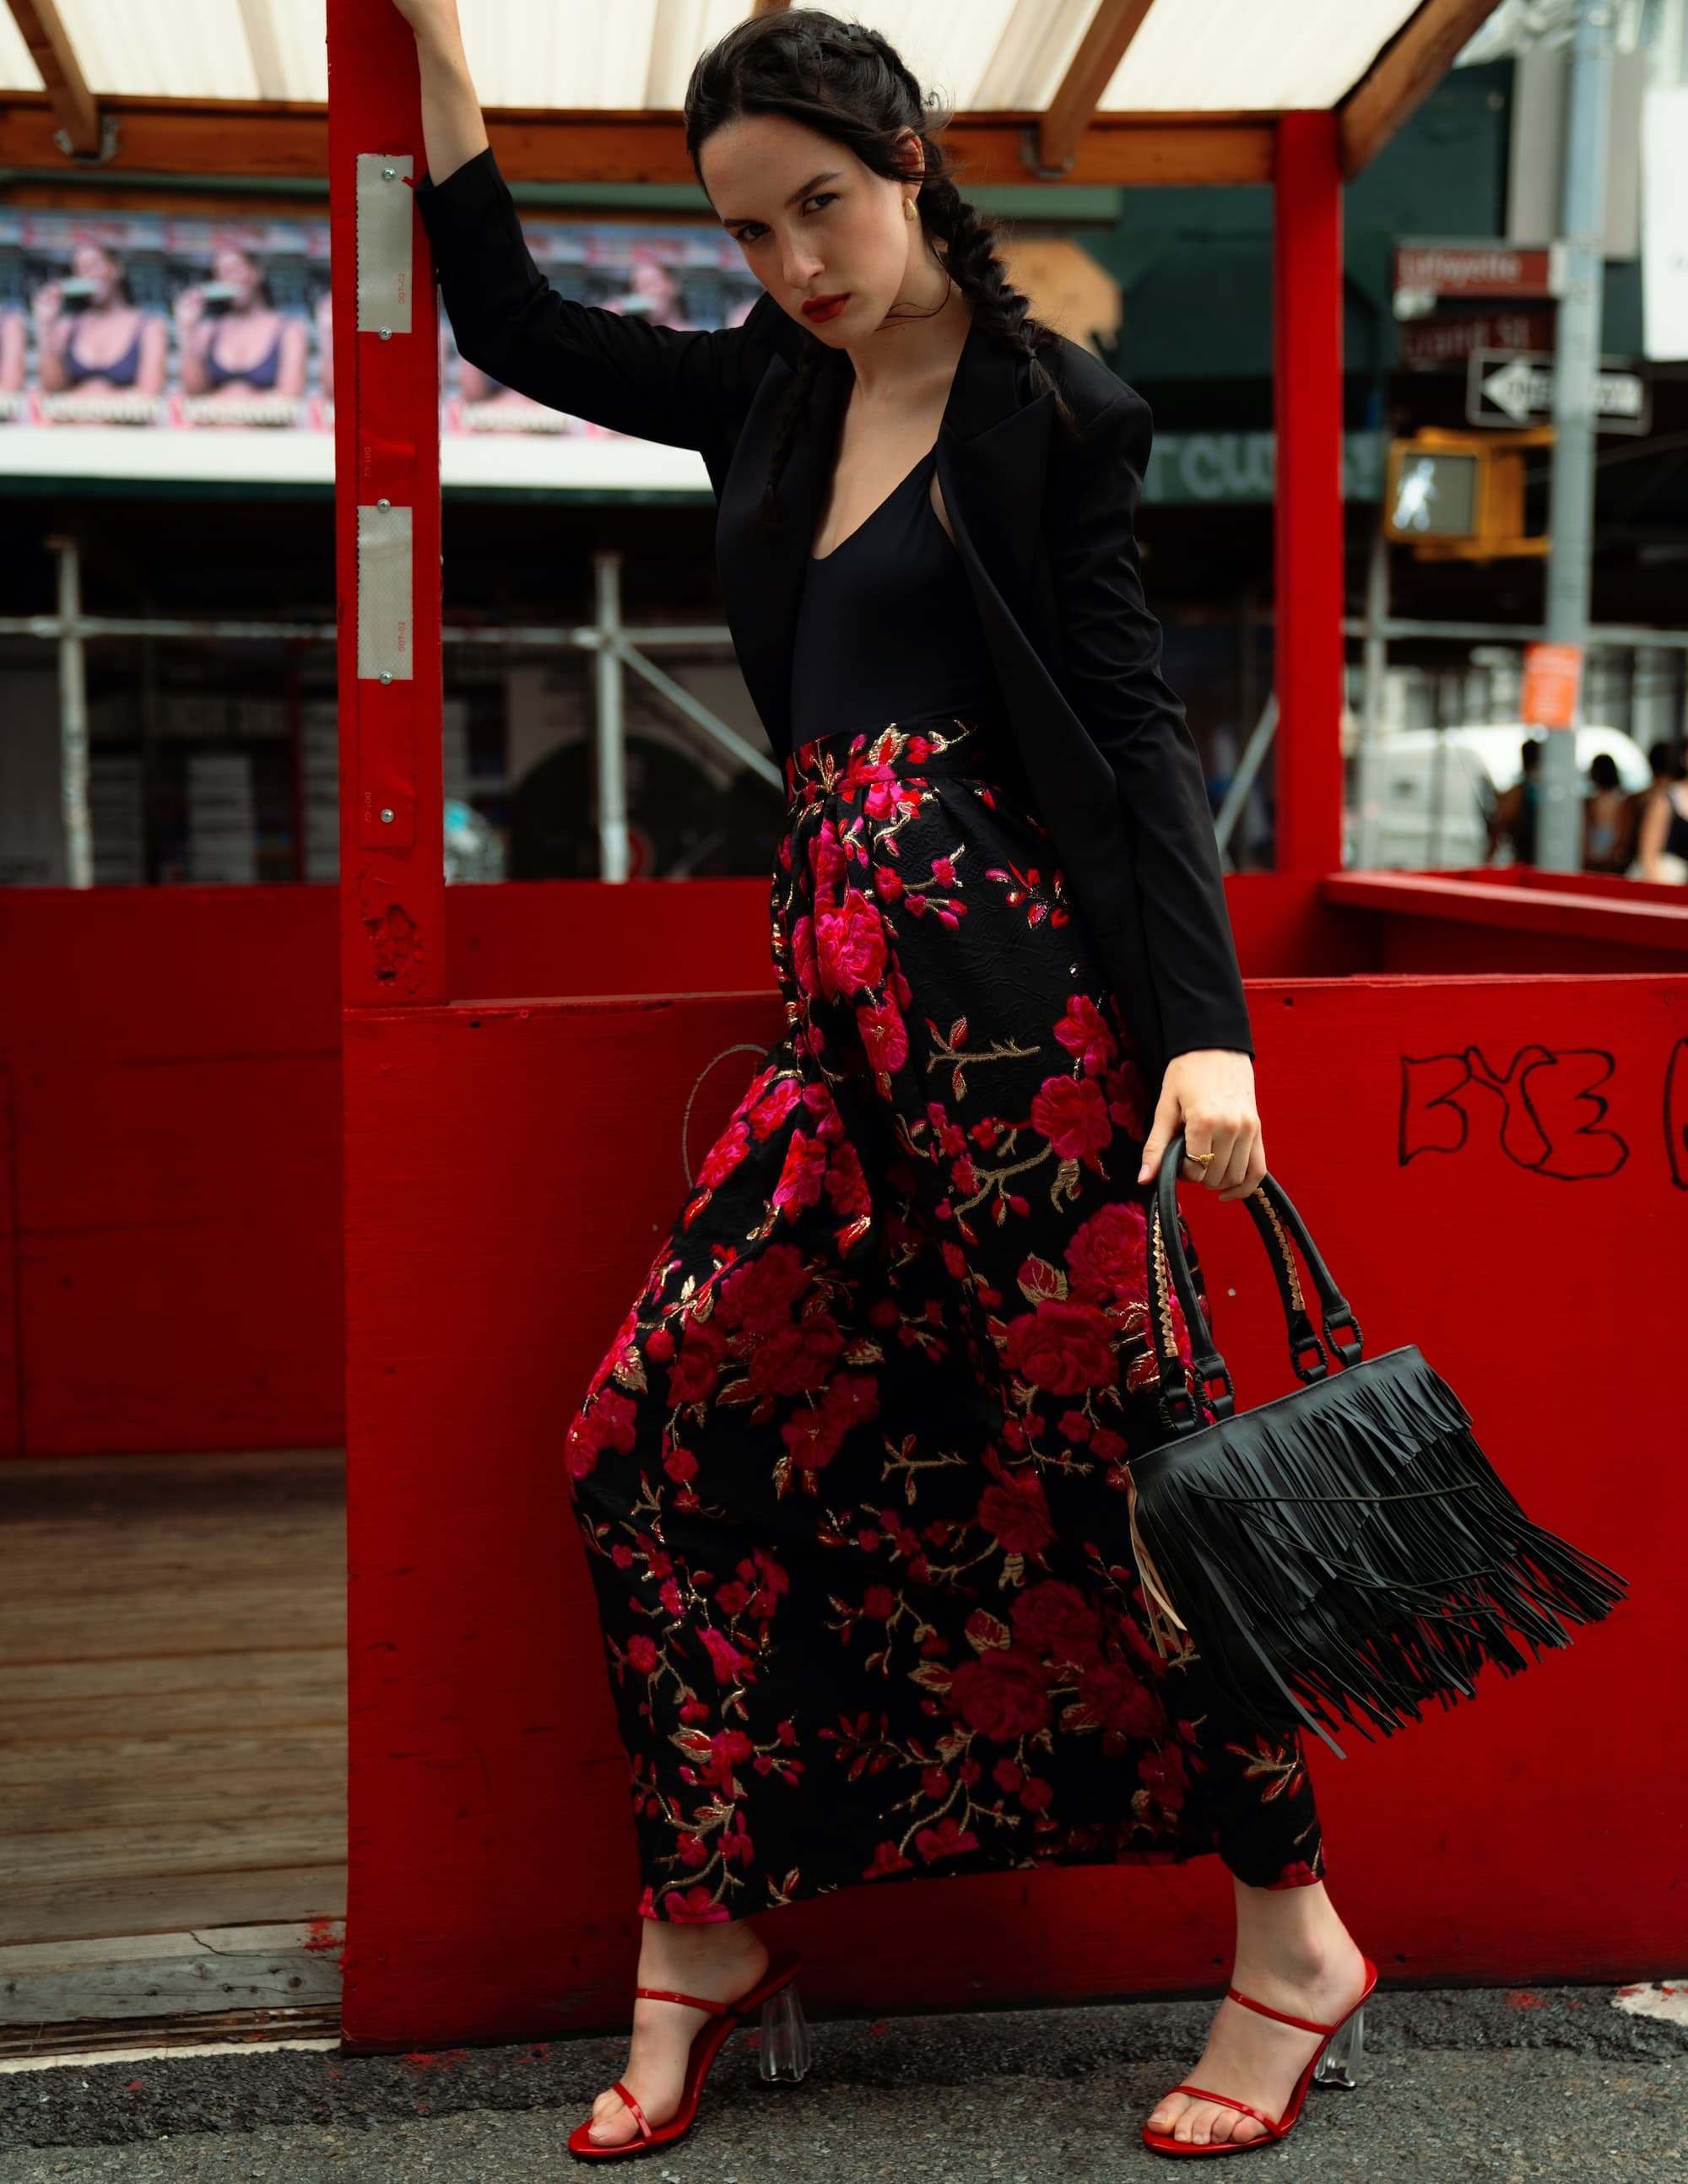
1552, 676
1512, 388
1426, 270
1425, 344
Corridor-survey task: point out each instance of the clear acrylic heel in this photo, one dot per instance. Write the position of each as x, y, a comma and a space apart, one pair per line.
1340, 2065
786, 2051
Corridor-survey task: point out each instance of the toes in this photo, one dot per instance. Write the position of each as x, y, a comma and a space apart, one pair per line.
612, 2121
1195, 2124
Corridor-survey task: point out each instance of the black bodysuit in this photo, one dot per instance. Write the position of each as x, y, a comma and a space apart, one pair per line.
886, 628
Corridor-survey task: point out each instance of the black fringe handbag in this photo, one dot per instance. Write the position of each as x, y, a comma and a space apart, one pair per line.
1345, 1551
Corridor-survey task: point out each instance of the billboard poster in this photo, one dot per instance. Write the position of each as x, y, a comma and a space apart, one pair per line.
145, 345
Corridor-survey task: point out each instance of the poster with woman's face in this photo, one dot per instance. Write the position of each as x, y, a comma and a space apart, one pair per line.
191, 325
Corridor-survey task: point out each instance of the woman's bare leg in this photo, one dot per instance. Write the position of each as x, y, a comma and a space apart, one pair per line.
1294, 1953
721, 1960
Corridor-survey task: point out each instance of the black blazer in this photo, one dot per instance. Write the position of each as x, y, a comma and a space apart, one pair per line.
1044, 529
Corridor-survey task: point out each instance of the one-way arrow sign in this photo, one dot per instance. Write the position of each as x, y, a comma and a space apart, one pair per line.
1504, 386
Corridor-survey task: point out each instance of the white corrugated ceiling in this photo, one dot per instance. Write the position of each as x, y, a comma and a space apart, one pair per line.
1191, 56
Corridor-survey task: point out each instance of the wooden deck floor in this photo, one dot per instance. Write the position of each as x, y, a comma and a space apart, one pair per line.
172, 1694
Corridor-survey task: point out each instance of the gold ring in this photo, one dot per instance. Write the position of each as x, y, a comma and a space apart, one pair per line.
1203, 1158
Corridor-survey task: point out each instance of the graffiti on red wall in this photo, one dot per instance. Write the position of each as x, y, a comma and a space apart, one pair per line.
1552, 1116
1550, 1111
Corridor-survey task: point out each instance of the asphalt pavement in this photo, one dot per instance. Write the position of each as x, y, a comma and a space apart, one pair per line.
1455, 2084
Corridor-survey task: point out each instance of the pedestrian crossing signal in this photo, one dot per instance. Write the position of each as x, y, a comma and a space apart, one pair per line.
1459, 496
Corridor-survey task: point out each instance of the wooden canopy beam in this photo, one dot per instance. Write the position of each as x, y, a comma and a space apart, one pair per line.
272, 138
1072, 109
1407, 69
67, 97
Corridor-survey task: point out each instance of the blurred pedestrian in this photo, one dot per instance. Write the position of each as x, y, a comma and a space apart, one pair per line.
1513, 818
1662, 840
1609, 818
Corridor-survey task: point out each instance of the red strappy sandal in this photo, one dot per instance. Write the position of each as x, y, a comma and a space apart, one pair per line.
785, 2053
1334, 2064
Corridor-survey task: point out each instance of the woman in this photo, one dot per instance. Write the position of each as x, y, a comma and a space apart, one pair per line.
250, 348
110, 345
1606, 821
1661, 836
850, 1477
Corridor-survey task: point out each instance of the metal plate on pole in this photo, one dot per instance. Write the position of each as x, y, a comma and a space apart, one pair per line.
1515, 388
384, 241
386, 635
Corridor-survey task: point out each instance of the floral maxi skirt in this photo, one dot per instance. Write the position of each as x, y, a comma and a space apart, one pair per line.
851, 1476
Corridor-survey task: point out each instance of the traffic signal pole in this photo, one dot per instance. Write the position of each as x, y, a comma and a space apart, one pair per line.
1558, 845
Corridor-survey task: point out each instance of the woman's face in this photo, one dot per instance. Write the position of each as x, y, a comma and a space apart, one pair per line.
237, 270
649, 278
89, 262
812, 220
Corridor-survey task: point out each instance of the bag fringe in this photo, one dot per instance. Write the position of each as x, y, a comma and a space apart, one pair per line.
1348, 1553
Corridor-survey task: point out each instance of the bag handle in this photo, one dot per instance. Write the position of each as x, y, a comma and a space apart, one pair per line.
1273, 1215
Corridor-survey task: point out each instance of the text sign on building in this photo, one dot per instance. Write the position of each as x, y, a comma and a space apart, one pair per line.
1501, 388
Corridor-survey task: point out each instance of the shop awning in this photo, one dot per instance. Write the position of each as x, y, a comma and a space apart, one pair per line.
1080, 91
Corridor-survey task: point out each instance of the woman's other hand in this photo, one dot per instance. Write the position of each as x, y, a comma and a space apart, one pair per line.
1209, 1093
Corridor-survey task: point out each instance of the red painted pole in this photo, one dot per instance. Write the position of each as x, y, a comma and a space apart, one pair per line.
1307, 406
387, 516
393, 975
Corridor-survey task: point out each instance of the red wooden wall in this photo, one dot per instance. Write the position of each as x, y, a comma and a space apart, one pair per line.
1483, 1161
1497, 1166
170, 1255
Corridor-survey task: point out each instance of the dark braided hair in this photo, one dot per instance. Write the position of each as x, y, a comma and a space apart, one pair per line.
849, 83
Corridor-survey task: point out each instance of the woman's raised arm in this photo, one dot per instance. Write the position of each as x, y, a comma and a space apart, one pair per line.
652, 381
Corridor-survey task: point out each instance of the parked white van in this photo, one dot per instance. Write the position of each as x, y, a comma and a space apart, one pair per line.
1436, 786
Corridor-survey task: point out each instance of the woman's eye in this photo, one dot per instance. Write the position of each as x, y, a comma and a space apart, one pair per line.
747, 234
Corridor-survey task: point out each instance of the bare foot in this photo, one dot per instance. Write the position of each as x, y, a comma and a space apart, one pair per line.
722, 1961
1254, 2057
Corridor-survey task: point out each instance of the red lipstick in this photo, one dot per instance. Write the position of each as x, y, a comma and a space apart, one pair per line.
824, 307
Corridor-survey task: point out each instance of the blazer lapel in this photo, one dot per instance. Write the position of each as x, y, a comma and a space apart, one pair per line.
992, 449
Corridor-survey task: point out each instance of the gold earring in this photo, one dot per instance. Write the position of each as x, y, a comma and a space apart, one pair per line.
909, 212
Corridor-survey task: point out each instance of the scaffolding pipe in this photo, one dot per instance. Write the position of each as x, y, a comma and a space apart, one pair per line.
1558, 834
73, 719
613, 854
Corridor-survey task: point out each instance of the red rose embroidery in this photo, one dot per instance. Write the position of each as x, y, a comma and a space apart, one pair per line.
850, 945
1113, 1695
1074, 1116
692, 1908
1107, 1259
1017, 1516
1063, 1346
1055, 1619
760, 1295
1084, 1035
949, 1839
800, 1355
803, 1175
1001, 1693
883, 1034
722, 1157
